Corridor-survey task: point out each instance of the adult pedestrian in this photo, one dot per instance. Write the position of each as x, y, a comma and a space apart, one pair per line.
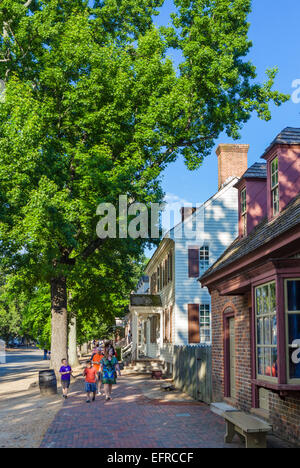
96, 360
109, 369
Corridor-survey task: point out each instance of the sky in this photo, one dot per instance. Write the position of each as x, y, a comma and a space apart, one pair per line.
275, 35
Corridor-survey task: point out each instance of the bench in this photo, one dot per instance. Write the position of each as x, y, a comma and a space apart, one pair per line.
246, 427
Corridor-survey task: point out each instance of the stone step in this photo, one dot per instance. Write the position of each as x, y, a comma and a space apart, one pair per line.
221, 407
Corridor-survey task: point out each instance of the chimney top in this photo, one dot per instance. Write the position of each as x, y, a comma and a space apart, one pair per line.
232, 161
186, 211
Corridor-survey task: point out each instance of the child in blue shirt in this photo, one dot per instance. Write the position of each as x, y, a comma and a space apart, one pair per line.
65, 372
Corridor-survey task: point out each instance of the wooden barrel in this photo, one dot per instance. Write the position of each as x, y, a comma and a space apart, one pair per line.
47, 382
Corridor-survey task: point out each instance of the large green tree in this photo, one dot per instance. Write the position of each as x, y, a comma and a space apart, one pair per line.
94, 109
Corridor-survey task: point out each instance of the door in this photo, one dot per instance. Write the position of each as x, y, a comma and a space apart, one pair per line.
232, 357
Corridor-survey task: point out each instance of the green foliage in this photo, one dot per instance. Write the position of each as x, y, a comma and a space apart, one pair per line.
94, 109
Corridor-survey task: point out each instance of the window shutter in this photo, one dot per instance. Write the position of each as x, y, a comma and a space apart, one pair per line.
166, 272
193, 260
171, 324
193, 323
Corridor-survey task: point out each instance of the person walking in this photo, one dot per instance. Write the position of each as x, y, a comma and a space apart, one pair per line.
96, 360
90, 374
109, 368
65, 374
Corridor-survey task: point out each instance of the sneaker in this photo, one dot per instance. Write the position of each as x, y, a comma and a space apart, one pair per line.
99, 393
88, 401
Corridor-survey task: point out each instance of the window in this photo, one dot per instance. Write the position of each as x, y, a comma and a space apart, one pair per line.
193, 262
205, 323
274, 186
292, 306
153, 329
266, 331
204, 258
244, 212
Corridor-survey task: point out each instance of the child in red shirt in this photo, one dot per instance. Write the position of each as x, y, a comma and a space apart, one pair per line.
90, 374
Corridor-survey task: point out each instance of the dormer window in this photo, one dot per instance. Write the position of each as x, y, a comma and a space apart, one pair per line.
274, 186
244, 212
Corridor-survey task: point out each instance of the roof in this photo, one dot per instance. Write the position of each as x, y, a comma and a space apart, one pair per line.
227, 185
145, 300
258, 169
288, 136
263, 233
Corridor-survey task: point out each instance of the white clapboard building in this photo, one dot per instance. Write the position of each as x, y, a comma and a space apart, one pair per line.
176, 309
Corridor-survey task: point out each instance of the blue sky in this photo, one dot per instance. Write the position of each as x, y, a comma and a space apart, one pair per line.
275, 35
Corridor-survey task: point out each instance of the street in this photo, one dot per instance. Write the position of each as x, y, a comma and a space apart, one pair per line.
24, 414
23, 362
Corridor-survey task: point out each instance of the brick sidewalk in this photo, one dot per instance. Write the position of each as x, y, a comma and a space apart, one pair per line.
131, 420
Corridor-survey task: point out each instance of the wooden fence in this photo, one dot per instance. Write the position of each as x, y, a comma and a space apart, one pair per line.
192, 371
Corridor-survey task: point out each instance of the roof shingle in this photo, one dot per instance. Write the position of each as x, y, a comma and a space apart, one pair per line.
288, 136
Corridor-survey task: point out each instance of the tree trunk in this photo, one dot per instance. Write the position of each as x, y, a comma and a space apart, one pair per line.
73, 358
59, 325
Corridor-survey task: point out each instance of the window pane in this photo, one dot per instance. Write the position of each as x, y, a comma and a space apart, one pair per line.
267, 339
268, 362
258, 301
265, 305
293, 295
272, 302
294, 367
260, 331
294, 327
260, 355
274, 363
274, 330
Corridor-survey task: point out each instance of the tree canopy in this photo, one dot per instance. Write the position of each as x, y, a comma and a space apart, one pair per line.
95, 109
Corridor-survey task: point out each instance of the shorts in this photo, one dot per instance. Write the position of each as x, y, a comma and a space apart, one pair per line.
90, 387
65, 384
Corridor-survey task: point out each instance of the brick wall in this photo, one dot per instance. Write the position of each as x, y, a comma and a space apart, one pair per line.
232, 161
285, 417
242, 346
284, 413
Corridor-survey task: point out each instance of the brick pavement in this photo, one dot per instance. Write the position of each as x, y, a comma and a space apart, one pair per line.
130, 420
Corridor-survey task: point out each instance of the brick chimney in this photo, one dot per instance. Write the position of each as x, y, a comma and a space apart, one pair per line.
232, 161
186, 211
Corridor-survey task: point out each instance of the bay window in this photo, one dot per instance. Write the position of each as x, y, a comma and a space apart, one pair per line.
274, 309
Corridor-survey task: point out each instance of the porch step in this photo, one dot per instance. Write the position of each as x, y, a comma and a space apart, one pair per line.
221, 407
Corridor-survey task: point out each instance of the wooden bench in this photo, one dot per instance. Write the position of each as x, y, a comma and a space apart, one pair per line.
246, 427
